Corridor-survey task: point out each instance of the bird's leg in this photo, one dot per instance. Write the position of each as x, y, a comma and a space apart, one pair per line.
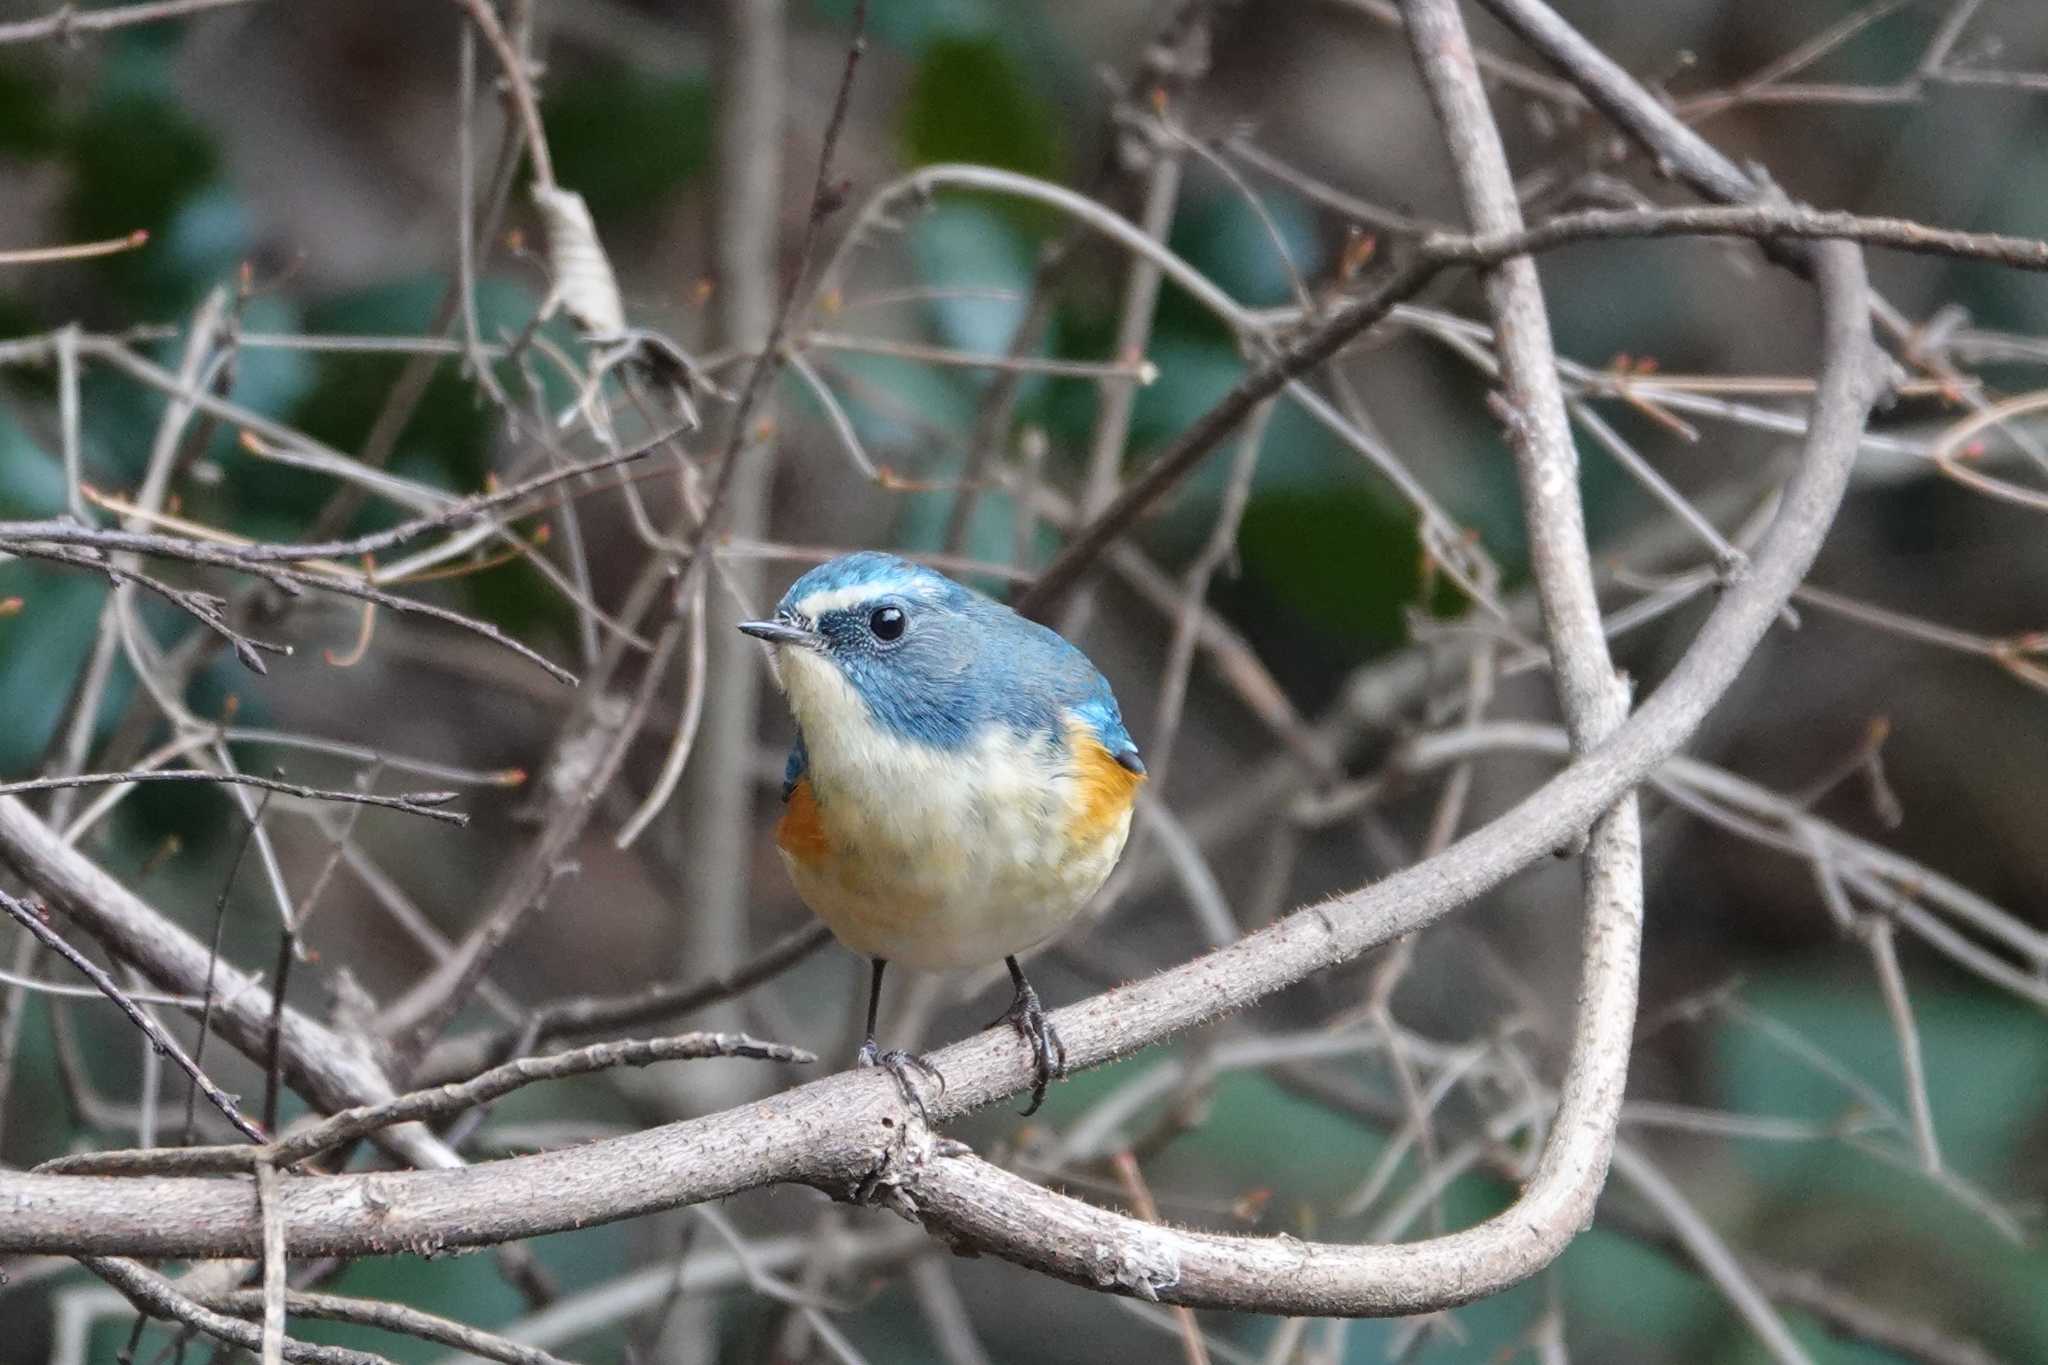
1028, 1017
895, 1061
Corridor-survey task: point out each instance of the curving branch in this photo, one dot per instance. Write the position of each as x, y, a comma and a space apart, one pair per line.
834, 1133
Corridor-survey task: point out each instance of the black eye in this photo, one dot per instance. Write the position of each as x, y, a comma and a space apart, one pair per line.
887, 623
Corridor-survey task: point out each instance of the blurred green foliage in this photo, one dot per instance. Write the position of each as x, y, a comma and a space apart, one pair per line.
969, 102
627, 141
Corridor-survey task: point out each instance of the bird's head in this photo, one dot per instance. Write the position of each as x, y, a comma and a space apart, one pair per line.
874, 638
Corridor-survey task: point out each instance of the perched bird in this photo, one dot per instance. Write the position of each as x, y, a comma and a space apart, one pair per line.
961, 782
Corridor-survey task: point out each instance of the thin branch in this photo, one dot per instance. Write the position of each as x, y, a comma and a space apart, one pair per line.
58, 988
458, 512
274, 1264
332, 1071
1884, 958
1714, 1258
439, 1102
291, 581
1854, 1318
29, 919
1142, 1204
518, 82
68, 21
77, 251
1758, 222
157, 1297
685, 737
390, 1317
412, 803
463, 1057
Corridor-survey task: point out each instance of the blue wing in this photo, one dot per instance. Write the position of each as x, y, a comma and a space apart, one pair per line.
1041, 662
793, 771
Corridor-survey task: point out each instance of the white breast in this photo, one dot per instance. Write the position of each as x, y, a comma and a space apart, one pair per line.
939, 858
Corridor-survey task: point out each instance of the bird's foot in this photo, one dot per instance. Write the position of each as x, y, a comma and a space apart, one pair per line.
1048, 1053
905, 1067
903, 1154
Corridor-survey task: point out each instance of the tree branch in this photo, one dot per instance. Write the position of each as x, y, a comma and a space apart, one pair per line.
27, 917
157, 1297
829, 1133
439, 1102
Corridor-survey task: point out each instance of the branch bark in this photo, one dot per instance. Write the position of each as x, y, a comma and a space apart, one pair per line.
830, 1133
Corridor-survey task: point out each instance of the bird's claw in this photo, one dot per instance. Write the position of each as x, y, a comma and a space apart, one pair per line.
899, 1159
903, 1066
1048, 1053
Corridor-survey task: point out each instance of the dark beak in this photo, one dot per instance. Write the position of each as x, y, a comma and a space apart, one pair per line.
782, 633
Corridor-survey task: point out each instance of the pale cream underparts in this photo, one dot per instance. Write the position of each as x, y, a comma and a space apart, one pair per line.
939, 858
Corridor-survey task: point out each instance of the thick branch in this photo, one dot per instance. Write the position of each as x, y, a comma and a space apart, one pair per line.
829, 1133
1539, 432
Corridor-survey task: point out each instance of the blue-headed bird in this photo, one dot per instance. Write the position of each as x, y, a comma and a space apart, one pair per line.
961, 782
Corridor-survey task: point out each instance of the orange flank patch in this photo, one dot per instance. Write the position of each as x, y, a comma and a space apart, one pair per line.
801, 833
1104, 787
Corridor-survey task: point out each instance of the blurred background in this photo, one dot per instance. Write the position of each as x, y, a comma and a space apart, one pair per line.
312, 161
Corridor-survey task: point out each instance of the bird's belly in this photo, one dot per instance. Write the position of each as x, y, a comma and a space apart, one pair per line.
934, 925
953, 865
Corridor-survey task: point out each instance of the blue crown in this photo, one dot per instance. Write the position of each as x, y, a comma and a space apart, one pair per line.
871, 569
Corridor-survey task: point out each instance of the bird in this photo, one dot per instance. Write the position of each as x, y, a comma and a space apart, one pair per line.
960, 786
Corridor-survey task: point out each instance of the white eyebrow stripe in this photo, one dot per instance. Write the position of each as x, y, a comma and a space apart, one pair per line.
836, 599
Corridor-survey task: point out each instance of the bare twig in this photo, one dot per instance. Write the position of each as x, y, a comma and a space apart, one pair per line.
1712, 1254
159, 1298
459, 1058
518, 81
68, 21
440, 1102
412, 803
26, 915
1884, 958
1855, 1318
1133, 1177
77, 251
391, 1317
274, 1263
